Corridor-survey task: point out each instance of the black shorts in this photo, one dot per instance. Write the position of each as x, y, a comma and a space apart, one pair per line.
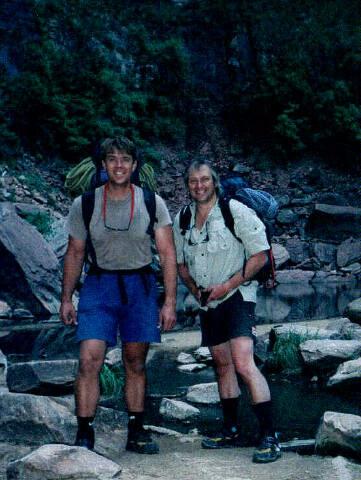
230, 319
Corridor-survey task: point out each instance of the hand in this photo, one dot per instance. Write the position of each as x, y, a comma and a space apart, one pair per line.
217, 291
167, 317
68, 313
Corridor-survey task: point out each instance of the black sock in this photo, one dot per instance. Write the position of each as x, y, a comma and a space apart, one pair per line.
85, 423
136, 420
230, 411
263, 412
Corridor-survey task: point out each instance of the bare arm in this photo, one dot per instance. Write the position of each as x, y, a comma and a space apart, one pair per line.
253, 266
188, 280
73, 264
165, 246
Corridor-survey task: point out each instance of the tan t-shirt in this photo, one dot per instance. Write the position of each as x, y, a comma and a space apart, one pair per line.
118, 250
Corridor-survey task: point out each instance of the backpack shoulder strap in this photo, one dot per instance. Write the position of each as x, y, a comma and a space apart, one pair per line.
223, 203
150, 204
87, 207
185, 217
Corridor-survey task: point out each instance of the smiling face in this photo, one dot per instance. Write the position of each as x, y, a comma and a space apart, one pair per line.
119, 166
201, 185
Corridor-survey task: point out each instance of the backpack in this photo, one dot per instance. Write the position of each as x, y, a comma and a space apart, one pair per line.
265, 206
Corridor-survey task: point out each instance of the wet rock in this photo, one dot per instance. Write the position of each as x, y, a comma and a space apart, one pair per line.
328, 354
298, 250
28, 262
348, 374
280, 254
177, 410
287, 216
192, 367
185, 358
203, 393
353, 311
49, 376
34, 420
348, 252
5, 310
20, 313
332, 277
294, 276
339, 433
325, 252
332, 222
114, 357
63, 462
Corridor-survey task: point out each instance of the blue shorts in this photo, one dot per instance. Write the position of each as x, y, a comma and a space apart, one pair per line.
102, 313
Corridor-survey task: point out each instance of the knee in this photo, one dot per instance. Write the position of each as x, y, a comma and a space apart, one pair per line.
224, 368
134, 365
246, 369
90, 365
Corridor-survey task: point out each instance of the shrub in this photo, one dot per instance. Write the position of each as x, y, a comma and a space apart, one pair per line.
111, 381
41, 221
286, 352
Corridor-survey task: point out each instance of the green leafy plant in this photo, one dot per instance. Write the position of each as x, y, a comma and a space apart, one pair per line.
41, 221
111, 381
286, 351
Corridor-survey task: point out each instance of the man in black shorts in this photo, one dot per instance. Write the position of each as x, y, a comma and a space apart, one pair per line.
218, 270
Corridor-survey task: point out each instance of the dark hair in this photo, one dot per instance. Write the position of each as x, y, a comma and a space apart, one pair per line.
197, 165
122, 144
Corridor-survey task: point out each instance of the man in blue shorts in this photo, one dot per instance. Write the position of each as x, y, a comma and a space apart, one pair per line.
119, 295
218, 269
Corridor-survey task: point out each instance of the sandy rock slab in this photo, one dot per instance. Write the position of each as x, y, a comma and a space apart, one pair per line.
62, 462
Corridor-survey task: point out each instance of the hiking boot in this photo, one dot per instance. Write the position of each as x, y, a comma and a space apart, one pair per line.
140, 441
85, 438
227, 438
267, 451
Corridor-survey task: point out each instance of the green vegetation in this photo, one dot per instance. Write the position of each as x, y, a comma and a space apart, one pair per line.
281, 75
286, 352
111, 381
41, 221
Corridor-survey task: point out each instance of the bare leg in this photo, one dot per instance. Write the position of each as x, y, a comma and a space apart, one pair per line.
134, 357
242, 355
226, 374
87, 384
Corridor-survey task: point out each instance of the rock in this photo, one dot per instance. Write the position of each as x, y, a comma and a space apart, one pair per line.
351, 331
325, 252
203, 393
348, 252
241, 168
28, 261
283, 200
185, 358
58, 239
202, 354
192, 367
272, 307
50, 462
353, 311
339, 434
286, 216
330, 198
298, 250
47, 376
3, 369
306, 331
280, 254
305, 200
332, 222
328, 354
348, 374
114, 357
353, 268
190, 304
177, 410
332, 277
294, 276
5, 310
35, 420
20, 313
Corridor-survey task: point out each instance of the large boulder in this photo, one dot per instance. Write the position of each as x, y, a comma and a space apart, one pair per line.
63, 462
339, 434
328, 354
47, 376
298, 250
348, 374
333, 222
280, 254
30, 269
353, 311
325, 252
304, 331
203, 393
348, 252
177, 410
294, 276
